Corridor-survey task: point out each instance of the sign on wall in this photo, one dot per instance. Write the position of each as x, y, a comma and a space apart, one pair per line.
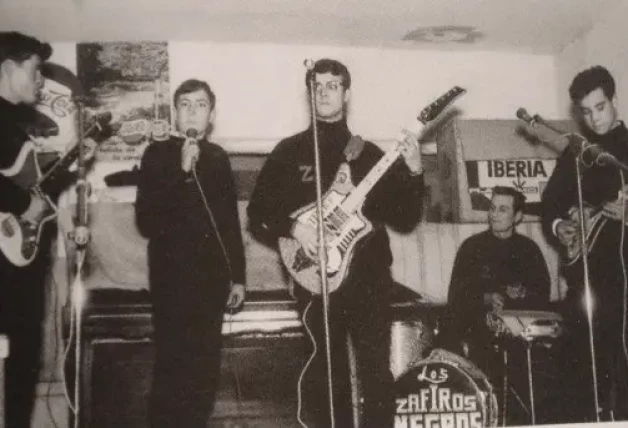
527, 175
129, 80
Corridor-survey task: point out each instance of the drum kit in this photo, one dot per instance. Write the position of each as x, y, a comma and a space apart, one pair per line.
436, 387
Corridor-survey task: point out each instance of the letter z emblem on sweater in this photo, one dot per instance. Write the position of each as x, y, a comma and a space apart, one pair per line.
307, 173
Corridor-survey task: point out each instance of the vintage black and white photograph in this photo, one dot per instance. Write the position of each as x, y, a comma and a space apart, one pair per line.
332, 214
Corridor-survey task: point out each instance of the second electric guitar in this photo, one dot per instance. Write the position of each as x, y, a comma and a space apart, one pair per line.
344, 223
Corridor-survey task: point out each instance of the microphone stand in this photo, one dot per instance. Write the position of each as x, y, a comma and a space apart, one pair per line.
588, 296
322, 247
81, 238
584, 247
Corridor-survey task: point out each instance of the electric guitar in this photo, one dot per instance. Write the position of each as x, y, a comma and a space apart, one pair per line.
343, 221
19, 239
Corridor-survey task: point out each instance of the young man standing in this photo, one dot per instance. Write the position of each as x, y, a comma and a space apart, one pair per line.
360, 305
187, 208
22, 289
593, 94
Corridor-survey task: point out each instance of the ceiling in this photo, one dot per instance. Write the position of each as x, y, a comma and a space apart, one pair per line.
532, 26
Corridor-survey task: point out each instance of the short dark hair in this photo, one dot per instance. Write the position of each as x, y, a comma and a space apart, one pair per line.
519, 199
589, 80
193, 85
326, 65
20, 47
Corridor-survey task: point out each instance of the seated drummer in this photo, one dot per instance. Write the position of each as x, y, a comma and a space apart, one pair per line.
494, 270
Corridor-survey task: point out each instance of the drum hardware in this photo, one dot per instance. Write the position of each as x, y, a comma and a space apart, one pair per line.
530, 328
526, 325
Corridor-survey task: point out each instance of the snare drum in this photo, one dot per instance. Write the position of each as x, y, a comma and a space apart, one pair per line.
528, 325
444, 390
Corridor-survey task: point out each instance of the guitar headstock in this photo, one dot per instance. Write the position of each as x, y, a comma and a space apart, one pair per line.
432, 111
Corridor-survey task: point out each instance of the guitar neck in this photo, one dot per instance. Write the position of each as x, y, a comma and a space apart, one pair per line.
359, 193
68, 158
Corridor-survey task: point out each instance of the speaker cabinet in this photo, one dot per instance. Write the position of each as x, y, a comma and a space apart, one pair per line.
258, 381
116, 382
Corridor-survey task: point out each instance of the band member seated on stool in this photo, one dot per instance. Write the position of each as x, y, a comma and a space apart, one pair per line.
494, 270
187, 208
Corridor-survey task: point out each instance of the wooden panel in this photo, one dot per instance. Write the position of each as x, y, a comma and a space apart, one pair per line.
423, 259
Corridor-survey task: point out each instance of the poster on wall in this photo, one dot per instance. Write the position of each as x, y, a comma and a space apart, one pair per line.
130, 81
528, 175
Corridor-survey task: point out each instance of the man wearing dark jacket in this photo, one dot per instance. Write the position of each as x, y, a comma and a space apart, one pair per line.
593, 94
187, 208
359, 306
22, 289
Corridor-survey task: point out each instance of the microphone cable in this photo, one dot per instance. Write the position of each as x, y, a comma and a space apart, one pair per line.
306, 366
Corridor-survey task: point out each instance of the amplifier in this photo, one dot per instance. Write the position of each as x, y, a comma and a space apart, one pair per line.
262, 359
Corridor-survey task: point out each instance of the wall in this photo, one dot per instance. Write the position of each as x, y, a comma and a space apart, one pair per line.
261, 92
605, 45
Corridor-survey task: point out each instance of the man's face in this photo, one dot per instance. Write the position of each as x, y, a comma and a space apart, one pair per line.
598, 112
331, 97
502, 216
195, 111
25, 79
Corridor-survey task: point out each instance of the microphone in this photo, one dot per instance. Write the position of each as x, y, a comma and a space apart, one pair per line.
522, 114
588, 153
191, 137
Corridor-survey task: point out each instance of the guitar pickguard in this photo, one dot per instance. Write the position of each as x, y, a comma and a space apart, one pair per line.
342, 232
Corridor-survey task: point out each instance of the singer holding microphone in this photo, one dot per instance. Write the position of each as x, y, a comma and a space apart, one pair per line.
593, 94
187, 208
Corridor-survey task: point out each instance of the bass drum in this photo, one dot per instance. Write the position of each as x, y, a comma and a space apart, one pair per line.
444, 390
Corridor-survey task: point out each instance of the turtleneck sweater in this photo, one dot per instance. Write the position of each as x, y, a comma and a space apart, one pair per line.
287, 183
600, 184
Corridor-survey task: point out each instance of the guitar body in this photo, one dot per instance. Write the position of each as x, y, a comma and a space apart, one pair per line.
343, 231
594, 223
19, 239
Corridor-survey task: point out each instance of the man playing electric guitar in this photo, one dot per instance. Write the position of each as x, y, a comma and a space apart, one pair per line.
593, 94
21, 288
360, 305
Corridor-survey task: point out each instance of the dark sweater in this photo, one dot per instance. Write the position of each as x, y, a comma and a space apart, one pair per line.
600, 184
487, 264
286, 183
171, 214
13, 199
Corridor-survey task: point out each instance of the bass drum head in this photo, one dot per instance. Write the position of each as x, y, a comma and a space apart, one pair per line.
444, 390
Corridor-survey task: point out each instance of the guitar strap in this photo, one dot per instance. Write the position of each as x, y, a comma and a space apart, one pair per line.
354, 148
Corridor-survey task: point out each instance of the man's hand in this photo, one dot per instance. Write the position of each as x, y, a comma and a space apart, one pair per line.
307, 237
495, 300
236, 296
566, 232
189, 152
36, 209
617, 208
411, 152
516, 291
